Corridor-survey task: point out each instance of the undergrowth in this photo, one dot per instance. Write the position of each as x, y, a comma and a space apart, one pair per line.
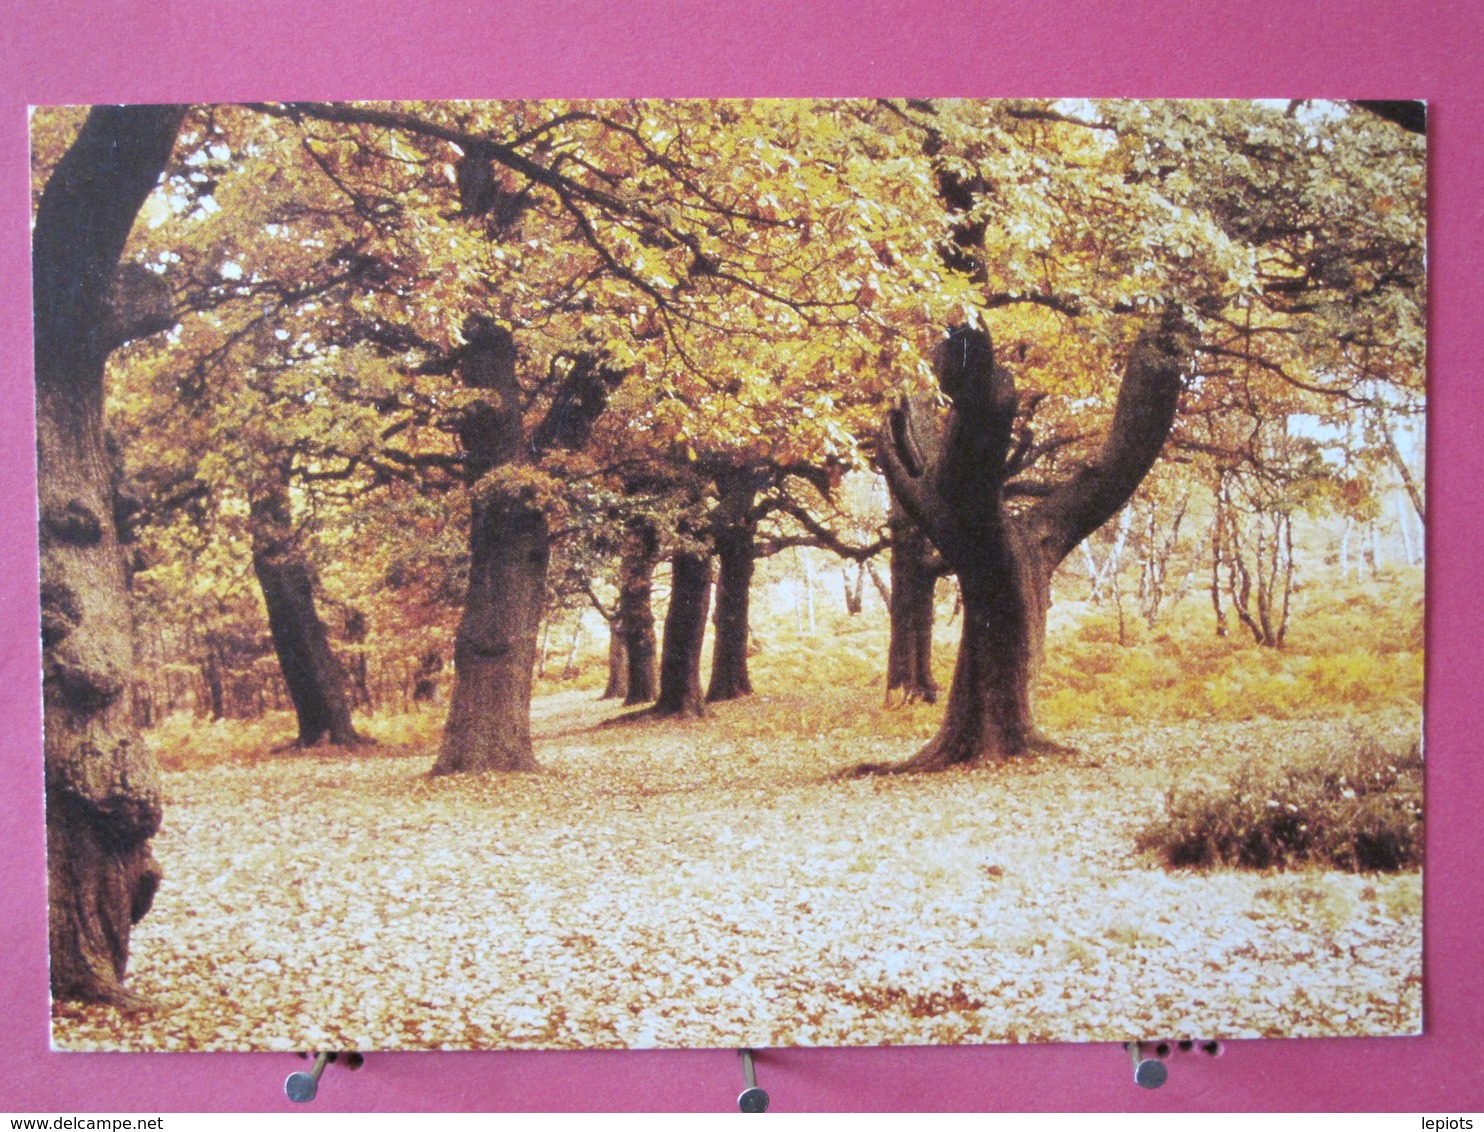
1360, 812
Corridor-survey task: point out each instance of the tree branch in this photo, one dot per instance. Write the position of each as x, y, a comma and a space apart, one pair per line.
1143, 416
824, 538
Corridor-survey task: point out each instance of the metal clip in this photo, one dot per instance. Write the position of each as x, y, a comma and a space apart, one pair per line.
751, 1099
1149, 1072
302, 1087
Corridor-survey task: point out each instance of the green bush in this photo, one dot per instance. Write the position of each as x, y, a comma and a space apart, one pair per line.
1359, 813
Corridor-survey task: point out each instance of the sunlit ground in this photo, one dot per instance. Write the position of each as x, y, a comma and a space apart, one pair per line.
710, 885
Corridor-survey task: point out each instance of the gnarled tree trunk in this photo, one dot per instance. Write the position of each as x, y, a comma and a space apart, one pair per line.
102, 788
311, 671
1004, 560
489, 714
734, 534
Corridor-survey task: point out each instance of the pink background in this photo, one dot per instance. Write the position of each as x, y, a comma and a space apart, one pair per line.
222, 50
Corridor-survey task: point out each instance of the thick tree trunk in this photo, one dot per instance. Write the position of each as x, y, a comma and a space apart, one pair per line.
489, 717
955, 490
311, 671
102, 787
103, 801
914, 583
641, 552
494, 661
685, 634
990, 712
489, 714
734, 530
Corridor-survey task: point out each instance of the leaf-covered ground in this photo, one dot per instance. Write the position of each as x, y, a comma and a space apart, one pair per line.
709, 884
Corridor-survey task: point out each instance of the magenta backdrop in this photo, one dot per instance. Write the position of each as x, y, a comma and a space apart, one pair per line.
222, 50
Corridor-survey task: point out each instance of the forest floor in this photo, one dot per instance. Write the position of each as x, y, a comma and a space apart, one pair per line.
713, 884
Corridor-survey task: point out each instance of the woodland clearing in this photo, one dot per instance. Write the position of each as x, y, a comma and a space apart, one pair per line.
712, 884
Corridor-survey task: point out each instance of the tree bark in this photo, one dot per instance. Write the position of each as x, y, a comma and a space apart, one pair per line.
618, 664
103, 801
1004, 560
914, 583
641, 552
1218, 553
990, 711
489, 715
734, 535
685, 633
312, 672
1403, 469
854, 591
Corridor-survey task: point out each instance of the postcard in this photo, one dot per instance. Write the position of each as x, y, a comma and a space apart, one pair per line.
721, 573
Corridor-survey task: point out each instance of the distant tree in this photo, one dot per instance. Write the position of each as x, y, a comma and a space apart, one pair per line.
314, 675
915, 569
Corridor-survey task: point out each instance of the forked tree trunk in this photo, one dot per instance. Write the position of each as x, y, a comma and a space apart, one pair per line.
1004, 560
914, 582
734, 530
641, 552
103, 801
311, 671
685, 634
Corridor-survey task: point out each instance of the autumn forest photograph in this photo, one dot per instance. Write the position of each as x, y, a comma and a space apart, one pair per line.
721, 573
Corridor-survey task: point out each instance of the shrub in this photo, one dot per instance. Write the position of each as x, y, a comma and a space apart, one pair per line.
1359, 813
